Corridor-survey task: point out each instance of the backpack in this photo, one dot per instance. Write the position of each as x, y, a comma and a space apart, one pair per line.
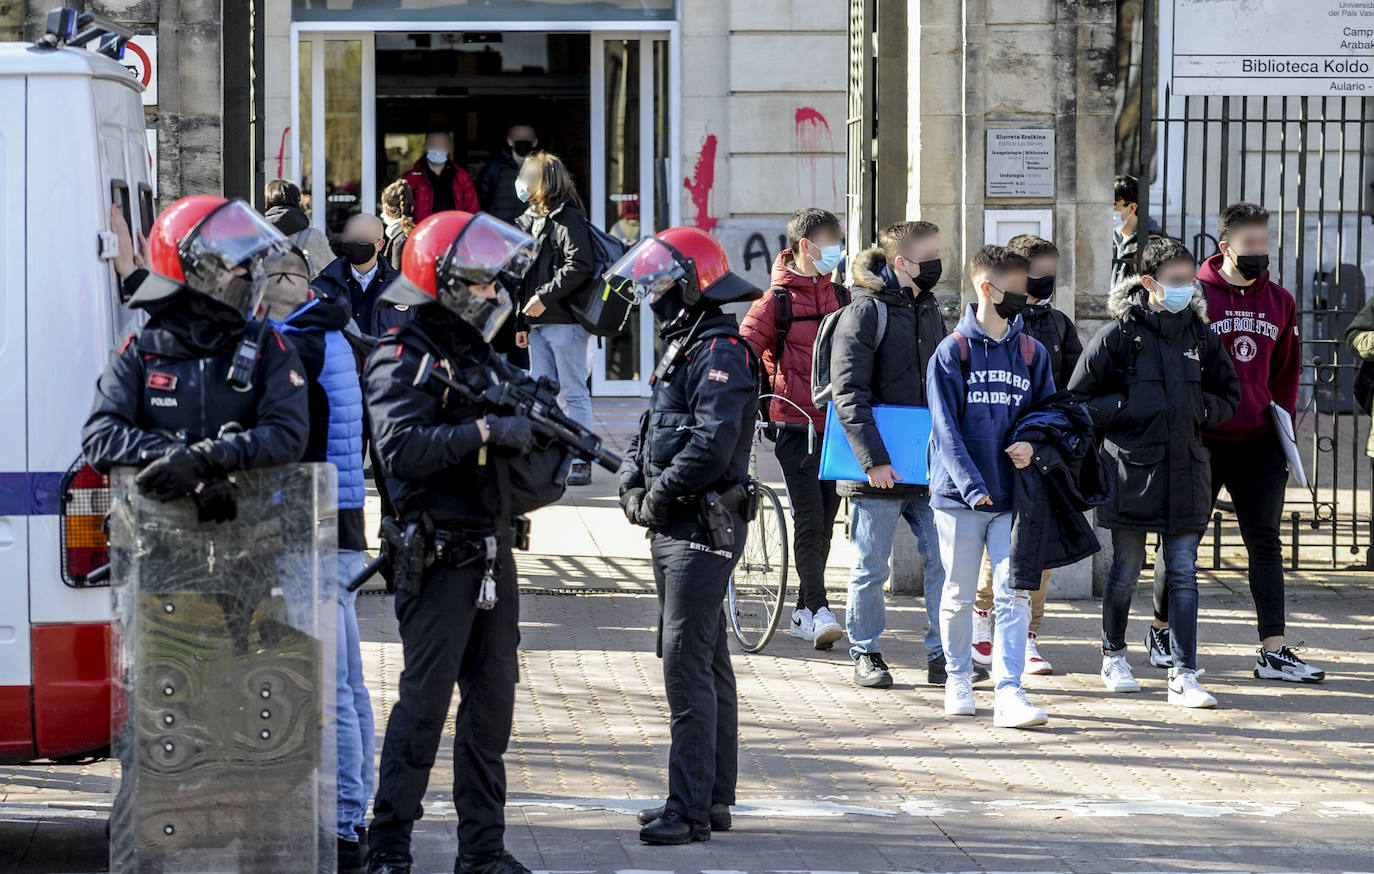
821, 392
1364, 386
1025, 342
783, 320
598, 309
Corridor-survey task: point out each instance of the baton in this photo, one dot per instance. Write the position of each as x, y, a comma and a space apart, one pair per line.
374, 567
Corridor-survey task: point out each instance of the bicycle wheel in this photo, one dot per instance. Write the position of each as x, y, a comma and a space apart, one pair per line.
758, 586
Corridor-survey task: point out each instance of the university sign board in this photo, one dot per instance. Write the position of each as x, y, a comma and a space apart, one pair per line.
1273, 47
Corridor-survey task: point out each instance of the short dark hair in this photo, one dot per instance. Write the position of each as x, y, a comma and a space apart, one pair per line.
898, 234
282, 192
1163, 250
996, 261
805, 222
1238, 215
1126, 188
1030, 247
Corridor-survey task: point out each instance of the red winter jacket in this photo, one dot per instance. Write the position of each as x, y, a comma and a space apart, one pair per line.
809, 296
464, 193
1258, 327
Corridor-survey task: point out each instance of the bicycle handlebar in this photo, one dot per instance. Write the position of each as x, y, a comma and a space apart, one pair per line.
796, 427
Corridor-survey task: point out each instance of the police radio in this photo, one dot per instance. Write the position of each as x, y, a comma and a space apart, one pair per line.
246, 358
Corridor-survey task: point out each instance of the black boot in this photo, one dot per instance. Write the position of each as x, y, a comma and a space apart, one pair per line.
719, 816
352, 857
671, 828
500, 863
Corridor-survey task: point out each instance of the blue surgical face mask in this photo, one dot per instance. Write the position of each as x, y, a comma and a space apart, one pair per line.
436, 156
830, 259
522, 190
1177, 297
1118, 221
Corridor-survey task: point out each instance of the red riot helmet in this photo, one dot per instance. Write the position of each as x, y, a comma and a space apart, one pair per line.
685, 260
453, 250
213, 246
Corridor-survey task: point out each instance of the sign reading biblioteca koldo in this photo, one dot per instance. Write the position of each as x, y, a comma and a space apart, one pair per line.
1020, 162
1273, 47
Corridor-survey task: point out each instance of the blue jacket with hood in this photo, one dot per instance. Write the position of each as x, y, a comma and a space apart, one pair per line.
973, 409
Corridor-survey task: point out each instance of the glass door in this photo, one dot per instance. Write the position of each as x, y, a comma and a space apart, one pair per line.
334, 143
630, 148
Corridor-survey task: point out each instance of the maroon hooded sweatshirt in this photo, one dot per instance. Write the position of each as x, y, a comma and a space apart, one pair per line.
1258, 327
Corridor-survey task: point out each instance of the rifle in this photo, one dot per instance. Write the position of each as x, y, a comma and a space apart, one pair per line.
536, 400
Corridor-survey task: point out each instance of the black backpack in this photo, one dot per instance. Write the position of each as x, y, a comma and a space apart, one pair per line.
595, 306
1364, 386
783, 321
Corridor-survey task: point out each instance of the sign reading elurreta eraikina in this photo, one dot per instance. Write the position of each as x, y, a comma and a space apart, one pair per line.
1273, 47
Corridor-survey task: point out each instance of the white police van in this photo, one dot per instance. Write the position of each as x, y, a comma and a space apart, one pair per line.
71, 144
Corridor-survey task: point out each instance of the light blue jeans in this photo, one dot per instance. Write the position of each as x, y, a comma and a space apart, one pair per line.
964, 534
559, 352
872, 527
357, 736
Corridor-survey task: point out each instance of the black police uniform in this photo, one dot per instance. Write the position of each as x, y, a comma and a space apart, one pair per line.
435, 463
694, 439
166, 386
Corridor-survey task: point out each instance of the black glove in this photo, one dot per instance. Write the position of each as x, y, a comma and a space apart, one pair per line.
218, 501
175, 475
511, 432
652, 514
630, 501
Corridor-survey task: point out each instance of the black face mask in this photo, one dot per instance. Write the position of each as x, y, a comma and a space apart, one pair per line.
1251, 266
357, 253
927, 274
668, 305
1011, 304
1040, 287
522, 147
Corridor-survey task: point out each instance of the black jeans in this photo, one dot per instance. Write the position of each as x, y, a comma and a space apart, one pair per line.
1255, 473
700, 683
447, 640
814, 507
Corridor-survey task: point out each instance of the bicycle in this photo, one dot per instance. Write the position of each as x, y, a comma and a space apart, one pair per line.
758, 588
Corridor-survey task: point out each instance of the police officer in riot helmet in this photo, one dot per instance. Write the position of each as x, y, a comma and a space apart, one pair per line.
444, 459
201, 390
686, 479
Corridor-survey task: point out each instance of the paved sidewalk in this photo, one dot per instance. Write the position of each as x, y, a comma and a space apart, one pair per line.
834, 778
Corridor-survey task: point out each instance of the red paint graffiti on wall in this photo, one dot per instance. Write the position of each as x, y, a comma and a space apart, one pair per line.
702, 180
814, 142
281, 153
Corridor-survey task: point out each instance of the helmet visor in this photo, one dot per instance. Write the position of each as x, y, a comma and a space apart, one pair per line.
486, 314
487, 248
646, 272
224, 256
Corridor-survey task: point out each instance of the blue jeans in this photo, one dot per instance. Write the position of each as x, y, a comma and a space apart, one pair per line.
964, 535
1180, 557
872, 528
559, 352
357, 736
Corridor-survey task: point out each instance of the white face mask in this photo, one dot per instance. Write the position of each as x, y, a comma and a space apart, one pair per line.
436, 156
1118, 221
522, 190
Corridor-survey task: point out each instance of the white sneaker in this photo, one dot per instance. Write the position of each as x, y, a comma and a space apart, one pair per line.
1286, 665
982, 637
1185, 691
1012, 709
1117, 675
959, 697
803, 624
825, 629
1035, 662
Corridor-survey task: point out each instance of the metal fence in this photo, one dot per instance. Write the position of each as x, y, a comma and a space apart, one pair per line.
1306, 159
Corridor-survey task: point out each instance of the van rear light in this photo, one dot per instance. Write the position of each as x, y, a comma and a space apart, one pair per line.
85, 503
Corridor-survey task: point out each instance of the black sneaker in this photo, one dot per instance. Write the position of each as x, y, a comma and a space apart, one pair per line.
719, 816
388, 865
871, 672
1285, 665
935, 671
980, 674
671, 829
501, 863
352, 857
1158, 646
580, 474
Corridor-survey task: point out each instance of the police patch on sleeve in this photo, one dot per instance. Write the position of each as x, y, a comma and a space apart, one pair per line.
162, 381
718, 376
296, 379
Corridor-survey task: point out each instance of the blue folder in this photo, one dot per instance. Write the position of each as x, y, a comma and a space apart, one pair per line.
905, 432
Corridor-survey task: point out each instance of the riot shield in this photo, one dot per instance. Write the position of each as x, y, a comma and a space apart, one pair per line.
224, 656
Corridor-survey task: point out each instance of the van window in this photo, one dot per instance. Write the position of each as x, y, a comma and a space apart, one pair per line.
119, 196
145, 208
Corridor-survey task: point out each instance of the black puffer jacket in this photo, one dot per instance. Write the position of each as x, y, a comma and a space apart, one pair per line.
1056, 332
496, 187
427, 442
1067, 475
864, 373
563, 266
1153, 381
695, 436
158, 391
